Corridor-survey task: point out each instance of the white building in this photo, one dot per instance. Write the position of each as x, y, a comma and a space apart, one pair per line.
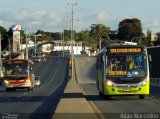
47, 47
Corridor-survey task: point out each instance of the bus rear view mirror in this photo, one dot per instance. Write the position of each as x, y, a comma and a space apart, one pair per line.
37, 81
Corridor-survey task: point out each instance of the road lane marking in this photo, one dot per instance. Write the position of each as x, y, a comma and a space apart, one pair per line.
97, 112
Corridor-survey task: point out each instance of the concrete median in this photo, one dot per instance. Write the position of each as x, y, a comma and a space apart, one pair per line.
73, 104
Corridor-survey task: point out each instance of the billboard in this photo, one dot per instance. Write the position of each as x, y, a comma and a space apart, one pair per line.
16, 41
16, 38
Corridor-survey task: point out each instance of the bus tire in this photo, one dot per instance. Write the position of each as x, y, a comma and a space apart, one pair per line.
100, 94
32, 88
29, 89
13, 89
7, 89
106, 97
141, 96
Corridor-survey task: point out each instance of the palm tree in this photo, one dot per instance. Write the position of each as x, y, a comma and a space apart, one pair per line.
99, 32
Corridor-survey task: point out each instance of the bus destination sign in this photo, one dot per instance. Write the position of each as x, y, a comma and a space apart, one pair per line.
125, 50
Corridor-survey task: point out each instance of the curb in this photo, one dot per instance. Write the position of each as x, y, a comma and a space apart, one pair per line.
96, 111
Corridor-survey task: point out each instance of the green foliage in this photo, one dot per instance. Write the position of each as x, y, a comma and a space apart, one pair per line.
56, 36
130, 28
158, 36
67, 35
85, 38
2, 30
99, 33
46, 36
6, 37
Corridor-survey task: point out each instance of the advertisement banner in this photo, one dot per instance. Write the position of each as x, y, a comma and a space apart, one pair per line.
16, 41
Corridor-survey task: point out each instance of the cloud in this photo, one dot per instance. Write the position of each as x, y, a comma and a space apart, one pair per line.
33, 20
103, 16
152, 25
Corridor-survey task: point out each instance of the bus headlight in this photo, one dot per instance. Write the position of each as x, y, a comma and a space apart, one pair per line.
109, 83
6, 82
144, 83
28, 81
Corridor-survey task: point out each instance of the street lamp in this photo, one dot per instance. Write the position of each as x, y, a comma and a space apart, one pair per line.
62, 42
72, 37
35, 39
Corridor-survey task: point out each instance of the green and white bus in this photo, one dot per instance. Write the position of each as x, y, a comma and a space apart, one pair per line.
123, 70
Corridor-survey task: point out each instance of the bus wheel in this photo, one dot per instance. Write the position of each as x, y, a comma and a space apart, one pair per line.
7, 89
13, 89
142, 96
106, 97
100, 94
29, 88
32, 88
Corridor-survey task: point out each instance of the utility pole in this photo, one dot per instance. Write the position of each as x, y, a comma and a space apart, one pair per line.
9, 40
35, 39
35, 43
63, 42
26, 45
72, 38
0, 57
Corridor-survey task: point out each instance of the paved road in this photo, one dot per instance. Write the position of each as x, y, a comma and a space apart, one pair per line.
42, 102
118, 106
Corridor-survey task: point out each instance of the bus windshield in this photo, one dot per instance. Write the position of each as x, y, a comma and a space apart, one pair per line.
126, 65
16, 69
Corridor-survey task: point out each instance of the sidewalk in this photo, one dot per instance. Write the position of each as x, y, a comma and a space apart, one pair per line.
73, 104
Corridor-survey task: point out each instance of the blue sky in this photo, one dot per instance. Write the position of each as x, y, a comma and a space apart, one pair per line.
54, 15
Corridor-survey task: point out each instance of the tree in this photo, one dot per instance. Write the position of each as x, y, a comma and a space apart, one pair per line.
99, 34
148, 38
130, 28
46, 36
158, 36
67, 35
85, 38
3, 32
157, 41
6, 38
56, 36
113, 34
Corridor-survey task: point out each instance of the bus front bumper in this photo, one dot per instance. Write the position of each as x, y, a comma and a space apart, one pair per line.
127, 90
18, 85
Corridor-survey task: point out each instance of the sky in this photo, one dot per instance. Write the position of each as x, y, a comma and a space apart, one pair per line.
55, 15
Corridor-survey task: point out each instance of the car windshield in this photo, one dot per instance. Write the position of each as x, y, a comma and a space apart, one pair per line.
127, 65
16, 69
